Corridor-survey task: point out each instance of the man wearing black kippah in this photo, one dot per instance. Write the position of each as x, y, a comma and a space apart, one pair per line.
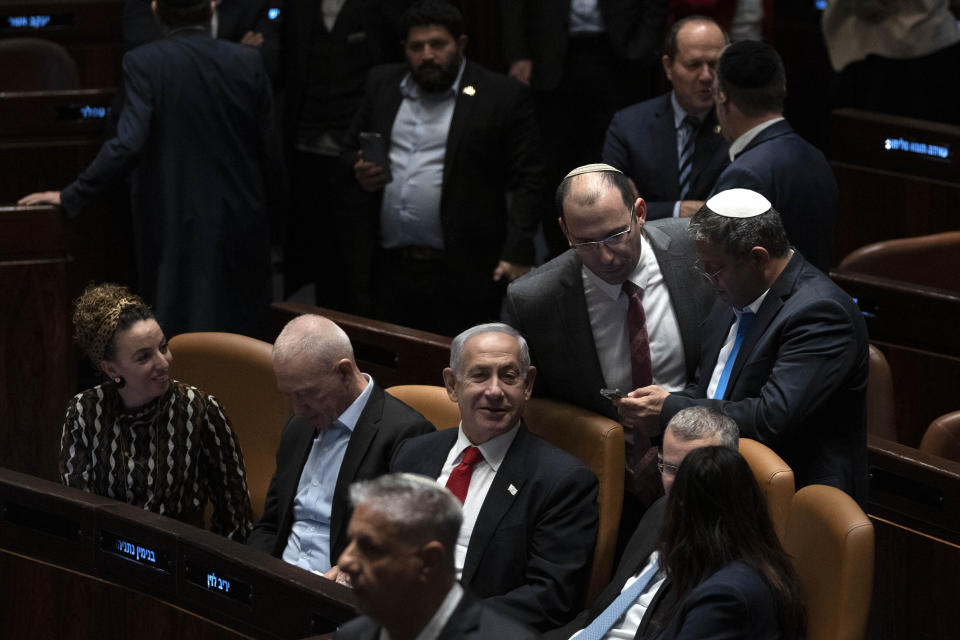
766, 154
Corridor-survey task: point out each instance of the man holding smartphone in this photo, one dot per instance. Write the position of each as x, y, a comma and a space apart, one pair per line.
441, 141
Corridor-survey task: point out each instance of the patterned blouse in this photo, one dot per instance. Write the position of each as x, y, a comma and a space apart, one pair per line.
168, 456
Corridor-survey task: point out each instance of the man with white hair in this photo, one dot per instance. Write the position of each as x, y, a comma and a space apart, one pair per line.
400, 561
785, 351
530, 509
344, 428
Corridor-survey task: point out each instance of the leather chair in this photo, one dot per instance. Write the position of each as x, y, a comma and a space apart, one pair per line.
32, 64
881, 416
831, 542
239, 371
931, 261
597, 441
775, 478
942, 437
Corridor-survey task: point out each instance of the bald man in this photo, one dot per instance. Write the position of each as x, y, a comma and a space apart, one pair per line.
344, 429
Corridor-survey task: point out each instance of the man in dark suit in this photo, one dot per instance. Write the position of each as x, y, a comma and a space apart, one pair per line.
345, 428
689, 429
577, 316
784, 349
459, 137
670, 146
401, 564
767, 156
530, 512
583, 60
201, 223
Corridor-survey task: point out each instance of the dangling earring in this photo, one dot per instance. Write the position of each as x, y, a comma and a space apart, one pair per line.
119, 381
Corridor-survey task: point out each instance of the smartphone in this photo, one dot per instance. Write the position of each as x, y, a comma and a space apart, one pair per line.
375, 150
612, 394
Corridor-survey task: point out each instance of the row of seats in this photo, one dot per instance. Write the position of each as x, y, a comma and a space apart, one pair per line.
827, 534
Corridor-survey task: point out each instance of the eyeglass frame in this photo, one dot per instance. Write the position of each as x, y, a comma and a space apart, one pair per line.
661, 465
613, 240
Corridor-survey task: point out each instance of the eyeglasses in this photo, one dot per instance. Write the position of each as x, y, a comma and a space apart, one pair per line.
663, 467
610, 241
712, 278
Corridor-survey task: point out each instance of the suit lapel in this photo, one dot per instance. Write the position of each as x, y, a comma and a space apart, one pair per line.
704, 148
663, 132
500, 498
462, 110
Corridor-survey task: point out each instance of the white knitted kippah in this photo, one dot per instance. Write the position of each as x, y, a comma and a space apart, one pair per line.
591, 168
738, 203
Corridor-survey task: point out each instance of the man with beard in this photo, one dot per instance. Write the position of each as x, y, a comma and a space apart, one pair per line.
458, 137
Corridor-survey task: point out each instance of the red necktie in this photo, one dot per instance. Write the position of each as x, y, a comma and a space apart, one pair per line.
644, 483
459, 480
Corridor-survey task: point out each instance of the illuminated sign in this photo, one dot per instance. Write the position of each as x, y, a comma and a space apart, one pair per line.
820, 5
131, 550
217, 582
83, 112
40, 21
273, 14
924, 149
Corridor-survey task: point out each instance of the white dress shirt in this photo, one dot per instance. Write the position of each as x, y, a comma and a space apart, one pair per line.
626, 627
607, 308
494, 451
724, 354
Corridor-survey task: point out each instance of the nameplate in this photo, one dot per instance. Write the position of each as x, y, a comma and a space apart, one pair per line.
918, 149
215, 580
36, 22
129, 549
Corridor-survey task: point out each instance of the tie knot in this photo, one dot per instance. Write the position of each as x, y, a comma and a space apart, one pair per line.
691, 123
471, 456
631, 289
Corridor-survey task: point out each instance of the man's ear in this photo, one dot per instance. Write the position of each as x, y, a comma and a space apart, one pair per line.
563, 227
434, 558
450, 382
528, 382
640, 210
760, 257
462, 44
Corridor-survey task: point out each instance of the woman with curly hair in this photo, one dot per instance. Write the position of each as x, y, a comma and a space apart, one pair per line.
141, 437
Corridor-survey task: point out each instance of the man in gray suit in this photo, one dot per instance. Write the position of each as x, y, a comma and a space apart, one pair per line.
580, 313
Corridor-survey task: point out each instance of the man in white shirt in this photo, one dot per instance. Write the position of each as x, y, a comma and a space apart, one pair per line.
530, 512
690, 429
400, 562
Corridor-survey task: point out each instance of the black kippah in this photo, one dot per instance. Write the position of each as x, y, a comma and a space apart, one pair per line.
749, 64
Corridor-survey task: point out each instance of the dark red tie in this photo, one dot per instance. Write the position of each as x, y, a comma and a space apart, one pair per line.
637, 332
644, 483
459, 480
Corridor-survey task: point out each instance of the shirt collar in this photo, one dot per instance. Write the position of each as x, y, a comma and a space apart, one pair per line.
745, 139
412, 91
493, 450
679, 113
753, 307
350, 417
640, 275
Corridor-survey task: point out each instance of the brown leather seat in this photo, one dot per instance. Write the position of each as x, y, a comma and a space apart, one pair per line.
831, 542
239, 371
942, 437
597, 441
931, 261
881, 416
775, 478
32, 64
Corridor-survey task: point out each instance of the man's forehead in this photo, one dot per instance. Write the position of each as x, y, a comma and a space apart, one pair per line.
428, 31
486, 349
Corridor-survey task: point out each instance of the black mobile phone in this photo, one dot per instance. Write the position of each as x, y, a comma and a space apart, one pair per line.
611, 394
375, 150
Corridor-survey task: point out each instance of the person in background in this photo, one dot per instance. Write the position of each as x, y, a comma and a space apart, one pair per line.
141, 437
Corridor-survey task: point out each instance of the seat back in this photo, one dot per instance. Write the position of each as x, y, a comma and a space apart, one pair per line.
239, 371
831, 542
598, 442
881, 415
775, 478
942, 437
595, 440
931, 260
32, 64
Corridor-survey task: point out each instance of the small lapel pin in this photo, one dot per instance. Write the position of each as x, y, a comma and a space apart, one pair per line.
716, 129
512, 489
469, 90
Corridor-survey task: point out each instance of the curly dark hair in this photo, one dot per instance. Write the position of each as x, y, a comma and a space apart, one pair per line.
102, 311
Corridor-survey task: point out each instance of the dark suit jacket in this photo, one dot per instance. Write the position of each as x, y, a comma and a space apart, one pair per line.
642, 142
549, 308
797, 179
799, 382
492, 148
642, 543
734, 603
471, 620
530, 549
383, 424
539, 30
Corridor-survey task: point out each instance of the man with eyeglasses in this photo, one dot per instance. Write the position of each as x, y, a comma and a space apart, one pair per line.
636, 615
620, 308
785, 351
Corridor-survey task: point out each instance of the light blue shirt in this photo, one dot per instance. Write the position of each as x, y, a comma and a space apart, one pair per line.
410, 213
308, 545
585, 17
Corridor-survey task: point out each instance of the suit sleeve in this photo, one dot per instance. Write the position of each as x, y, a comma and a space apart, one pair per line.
735, 177
118, 154
526, 176
817, 351
559, 554
720, 612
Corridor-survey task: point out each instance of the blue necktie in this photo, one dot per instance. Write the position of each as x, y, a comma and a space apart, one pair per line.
605, 621
746, 321
690, 124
